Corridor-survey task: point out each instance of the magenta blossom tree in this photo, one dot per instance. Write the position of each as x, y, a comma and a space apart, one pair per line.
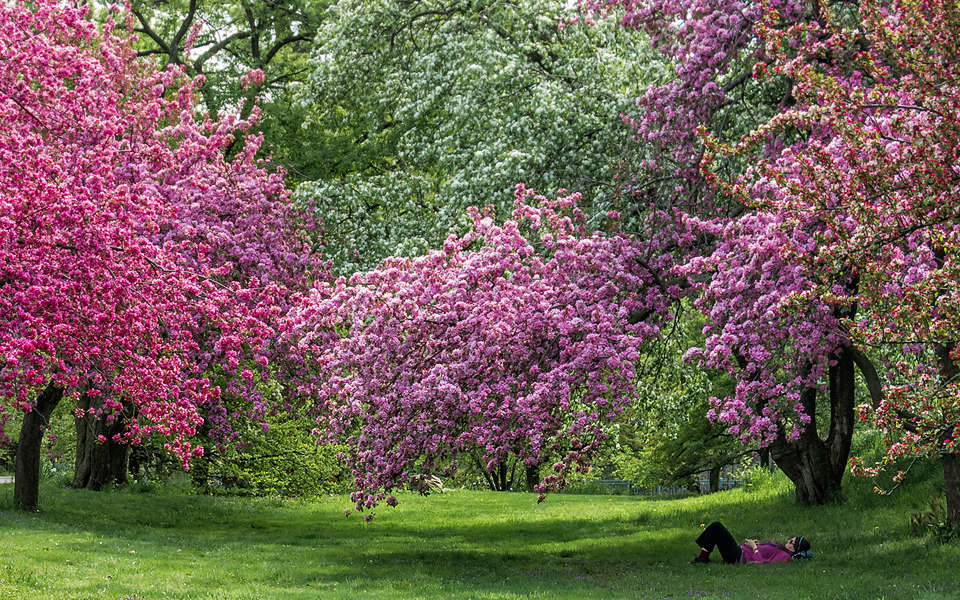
241, 218
771, 326
713, 45
774, 319
97, 298
233, 216
520, 337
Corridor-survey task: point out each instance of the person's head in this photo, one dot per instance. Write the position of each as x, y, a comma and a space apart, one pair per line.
797, 544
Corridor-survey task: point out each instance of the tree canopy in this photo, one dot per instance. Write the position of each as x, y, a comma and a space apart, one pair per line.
786, 167
443, 105
116, 275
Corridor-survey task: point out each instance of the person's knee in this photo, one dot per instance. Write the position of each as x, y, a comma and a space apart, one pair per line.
716, 524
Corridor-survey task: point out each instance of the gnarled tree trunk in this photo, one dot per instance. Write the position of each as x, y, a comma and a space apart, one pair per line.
816, 465
98, 463
26, 486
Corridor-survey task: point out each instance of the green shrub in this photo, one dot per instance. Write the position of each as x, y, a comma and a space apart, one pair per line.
933, 522
284, 461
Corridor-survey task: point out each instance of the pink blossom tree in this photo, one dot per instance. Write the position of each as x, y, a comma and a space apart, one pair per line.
240, 217
100, 296
849, 242
787, 357
878, 177
769, 325
520, 337
712, 45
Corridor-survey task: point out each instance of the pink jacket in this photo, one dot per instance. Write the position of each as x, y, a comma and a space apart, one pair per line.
766, 552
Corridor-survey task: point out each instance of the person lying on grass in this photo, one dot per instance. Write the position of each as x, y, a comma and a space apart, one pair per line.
750, 551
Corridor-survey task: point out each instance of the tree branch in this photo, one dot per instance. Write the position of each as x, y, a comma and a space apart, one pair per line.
145, 28
237, 35
184, 27
254, 31
284, 42
869, 372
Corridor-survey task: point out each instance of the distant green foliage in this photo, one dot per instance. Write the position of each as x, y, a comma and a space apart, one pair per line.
665, 437
58, 449
285, 461
7, 457
433, 106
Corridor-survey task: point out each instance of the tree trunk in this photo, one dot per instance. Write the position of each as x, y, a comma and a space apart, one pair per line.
532, 473
714, 480
816, 466
200, 466
765, 459
951, 480
501, 477
98, 463
806, 463
26, 487
951, 462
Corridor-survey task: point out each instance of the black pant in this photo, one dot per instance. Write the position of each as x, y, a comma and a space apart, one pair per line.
717, 535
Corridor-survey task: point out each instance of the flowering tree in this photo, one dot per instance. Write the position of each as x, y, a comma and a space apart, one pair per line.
772, 328
729, 255
224, 40
878, 178
241, 218
712, 45
100, 296
515, 338
850, 240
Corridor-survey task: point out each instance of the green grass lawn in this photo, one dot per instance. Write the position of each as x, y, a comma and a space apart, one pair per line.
460, 545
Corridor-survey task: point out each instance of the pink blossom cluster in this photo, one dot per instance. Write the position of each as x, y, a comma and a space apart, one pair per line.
712, 44
237, 218
884, 184
766, 324
769, 322
514, 338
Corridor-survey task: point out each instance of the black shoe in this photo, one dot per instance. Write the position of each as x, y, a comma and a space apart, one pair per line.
699, 560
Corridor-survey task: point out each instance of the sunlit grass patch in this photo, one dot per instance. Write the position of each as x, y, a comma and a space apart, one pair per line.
460, 544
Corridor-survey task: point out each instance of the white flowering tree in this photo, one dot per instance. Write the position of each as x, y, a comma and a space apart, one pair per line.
444, 105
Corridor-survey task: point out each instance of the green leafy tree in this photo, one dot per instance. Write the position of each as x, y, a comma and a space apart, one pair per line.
436, 105
285, 460
225, 40
665, 436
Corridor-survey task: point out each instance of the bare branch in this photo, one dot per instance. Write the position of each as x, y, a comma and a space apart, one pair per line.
153, 35
254, 31
238, 35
